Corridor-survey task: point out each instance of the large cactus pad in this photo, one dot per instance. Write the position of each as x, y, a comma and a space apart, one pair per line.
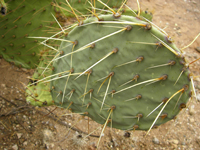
121, 71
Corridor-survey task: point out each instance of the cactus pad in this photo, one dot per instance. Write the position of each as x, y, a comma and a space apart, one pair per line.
38, 94
25, 19
122, 72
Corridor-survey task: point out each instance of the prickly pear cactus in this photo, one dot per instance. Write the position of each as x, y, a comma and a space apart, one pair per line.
121, 72
38, 93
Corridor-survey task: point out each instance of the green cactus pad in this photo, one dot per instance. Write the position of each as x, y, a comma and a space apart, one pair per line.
25, 19
124, 65
38, 93
122, 69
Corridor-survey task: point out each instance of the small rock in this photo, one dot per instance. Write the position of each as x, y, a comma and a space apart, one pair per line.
155, 140
175, 142
3, 85
48, 138
115, 142
15, 147
191, 120
19, 135
191, 110
48, 135
25, 143
198, 49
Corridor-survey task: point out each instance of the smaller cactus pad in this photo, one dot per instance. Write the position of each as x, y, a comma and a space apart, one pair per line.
38, 93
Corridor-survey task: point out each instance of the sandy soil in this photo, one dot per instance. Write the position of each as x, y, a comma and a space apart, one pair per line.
25, 127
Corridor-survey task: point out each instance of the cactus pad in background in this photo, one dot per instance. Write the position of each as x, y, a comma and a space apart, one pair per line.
121, 72
25, 19
38, 94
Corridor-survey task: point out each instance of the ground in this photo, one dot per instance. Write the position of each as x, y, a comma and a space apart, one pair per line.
25, 127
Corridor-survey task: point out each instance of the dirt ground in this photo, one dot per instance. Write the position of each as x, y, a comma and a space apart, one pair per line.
25, 127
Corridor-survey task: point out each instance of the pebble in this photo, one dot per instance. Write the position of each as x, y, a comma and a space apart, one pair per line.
198, 49
191, 110
48, 138
15, 147
25, 143
3, 85
19, 135
174, 141
155, 140
191, 120
48, 135
115, 142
